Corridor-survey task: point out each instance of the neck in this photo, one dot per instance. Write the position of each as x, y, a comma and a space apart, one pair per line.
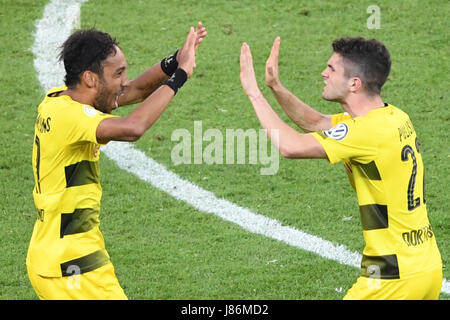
80, 95
359, 105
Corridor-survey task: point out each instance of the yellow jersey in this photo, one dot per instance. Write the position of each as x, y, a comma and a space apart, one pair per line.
382, 158
66, 237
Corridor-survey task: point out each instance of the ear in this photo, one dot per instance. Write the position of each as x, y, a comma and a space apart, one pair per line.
355, 84
90, 78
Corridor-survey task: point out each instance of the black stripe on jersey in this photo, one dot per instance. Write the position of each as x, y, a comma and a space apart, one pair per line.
380, 267
369, 170
84, 264
81, 173
81, 220
374, 216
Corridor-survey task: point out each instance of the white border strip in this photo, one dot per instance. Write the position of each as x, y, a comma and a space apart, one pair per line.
60, 17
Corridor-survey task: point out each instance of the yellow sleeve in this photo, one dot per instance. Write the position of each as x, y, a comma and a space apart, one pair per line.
80, 123
337, 118
348, 140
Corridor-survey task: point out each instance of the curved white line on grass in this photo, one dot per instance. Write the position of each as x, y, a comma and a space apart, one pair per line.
136, 162
60, 17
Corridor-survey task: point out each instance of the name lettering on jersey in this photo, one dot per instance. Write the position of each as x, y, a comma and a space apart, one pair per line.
405, 130
338, 132
43, 124
417, 237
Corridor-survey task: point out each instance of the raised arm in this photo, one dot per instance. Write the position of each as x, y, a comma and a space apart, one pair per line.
133, 126
307, 118
289, 142
138, 89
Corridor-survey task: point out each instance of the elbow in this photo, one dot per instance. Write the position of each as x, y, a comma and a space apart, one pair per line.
295, 151
135, 133
119, 129
287, 152
134, 128
305, 147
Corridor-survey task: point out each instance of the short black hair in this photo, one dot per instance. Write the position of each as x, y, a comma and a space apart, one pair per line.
85, 49
367, 59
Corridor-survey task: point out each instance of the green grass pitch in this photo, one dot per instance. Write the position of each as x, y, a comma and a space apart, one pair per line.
166, 249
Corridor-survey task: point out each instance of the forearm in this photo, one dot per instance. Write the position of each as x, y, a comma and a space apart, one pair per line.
307, 118
286, 139
144, 85
148, 112
133, 126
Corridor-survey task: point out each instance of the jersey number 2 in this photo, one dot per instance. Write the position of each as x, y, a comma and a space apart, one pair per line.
408, 152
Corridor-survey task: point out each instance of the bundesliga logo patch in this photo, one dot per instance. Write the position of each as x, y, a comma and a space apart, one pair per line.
338, 132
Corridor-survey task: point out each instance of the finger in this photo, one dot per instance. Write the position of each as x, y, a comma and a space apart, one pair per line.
198, 41
201, 33
275, 49
201, 30
247, 75
187, 38
245, 51
246, 58
191, 38
199, 26
193, 41
243, 57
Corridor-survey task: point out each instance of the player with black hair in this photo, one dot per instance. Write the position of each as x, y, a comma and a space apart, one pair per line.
67, 258
380, 150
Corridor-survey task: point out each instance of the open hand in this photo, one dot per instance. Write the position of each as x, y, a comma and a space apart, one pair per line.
248, 79
272, 78
186, 55
201, 34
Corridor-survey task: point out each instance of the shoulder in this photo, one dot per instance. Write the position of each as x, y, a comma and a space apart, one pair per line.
339, 117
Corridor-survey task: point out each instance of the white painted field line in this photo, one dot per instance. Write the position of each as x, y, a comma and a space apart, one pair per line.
60, 17
136, 162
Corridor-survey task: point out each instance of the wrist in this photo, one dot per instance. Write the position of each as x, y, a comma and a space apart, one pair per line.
275, 86
170, 64
177, 80
253, 96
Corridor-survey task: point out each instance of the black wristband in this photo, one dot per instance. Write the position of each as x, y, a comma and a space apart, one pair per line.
170, 64
177, 80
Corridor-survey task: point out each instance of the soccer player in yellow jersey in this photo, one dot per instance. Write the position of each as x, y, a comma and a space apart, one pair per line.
67, 258
379, 147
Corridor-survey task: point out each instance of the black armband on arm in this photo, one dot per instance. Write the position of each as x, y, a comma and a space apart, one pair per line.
170, 64
177, 80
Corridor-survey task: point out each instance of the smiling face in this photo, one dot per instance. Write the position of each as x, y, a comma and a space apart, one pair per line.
336, 82
112, 82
